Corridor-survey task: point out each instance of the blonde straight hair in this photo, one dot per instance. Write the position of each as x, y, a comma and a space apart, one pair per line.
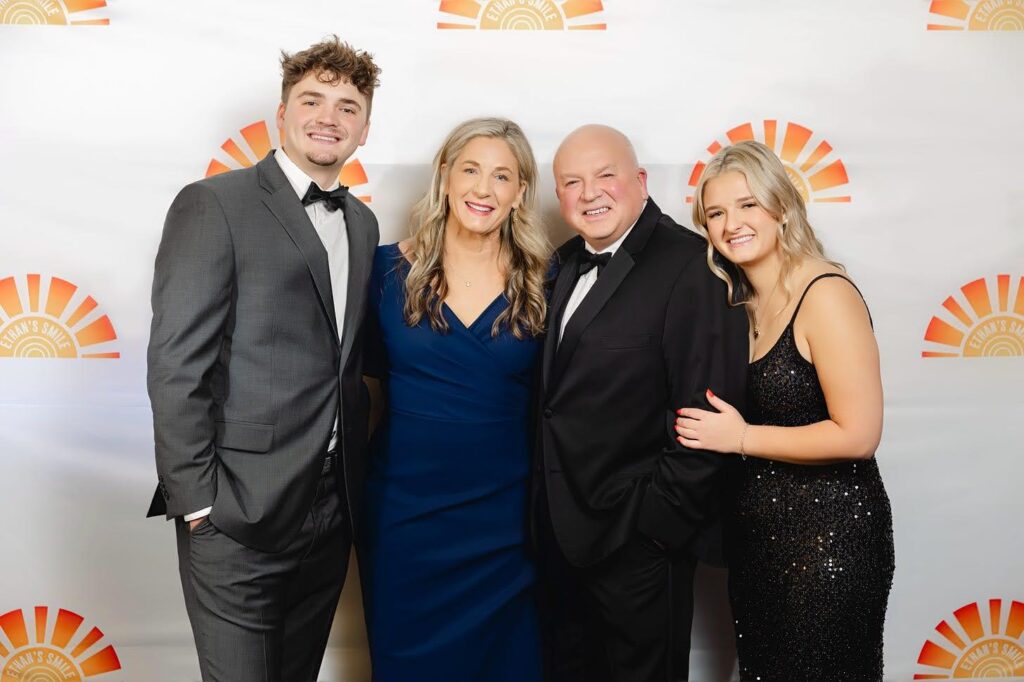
775, 193
524, 250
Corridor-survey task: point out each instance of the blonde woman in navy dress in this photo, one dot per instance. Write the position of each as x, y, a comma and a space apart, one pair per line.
459, 306
810, 544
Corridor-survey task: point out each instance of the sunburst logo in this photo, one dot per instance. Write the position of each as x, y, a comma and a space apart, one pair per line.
257, 139
52, 12
51, 656
977, 15
51, 321
522, 15
976, 647
812, 168
993, 327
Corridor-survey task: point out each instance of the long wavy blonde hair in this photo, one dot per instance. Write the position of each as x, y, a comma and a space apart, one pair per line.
775, 193
524, 249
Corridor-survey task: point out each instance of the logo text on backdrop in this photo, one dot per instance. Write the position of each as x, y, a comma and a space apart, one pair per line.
977, 15
992, 324
51, 318
53, 13
973, 645
522, 15
67, 652
818, 175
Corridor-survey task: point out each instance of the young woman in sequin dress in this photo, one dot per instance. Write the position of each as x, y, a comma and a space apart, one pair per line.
810, 532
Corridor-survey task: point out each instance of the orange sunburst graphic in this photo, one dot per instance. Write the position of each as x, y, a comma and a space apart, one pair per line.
257, 138
976, 648
52, 12
815, 173
57, 322
42, 659
522, 15
996, 328
977, 15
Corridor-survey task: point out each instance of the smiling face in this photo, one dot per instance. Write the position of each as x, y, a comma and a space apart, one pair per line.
739, 228
483, 186
322, 124
601, 189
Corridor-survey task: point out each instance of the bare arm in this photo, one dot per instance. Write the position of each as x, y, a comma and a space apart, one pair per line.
835, 324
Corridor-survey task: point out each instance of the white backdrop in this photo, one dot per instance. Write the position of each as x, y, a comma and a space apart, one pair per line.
102, 122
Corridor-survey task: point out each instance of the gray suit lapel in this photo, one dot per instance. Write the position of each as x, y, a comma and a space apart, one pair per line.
288, 210
360, 255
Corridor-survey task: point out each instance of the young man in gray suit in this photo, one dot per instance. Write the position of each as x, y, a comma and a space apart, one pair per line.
259, 412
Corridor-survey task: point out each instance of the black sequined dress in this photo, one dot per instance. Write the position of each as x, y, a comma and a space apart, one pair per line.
811, 549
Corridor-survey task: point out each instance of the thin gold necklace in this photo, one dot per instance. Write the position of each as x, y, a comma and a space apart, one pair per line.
757, 327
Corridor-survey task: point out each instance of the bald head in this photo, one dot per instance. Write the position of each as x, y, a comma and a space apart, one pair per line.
600, 185
597, 135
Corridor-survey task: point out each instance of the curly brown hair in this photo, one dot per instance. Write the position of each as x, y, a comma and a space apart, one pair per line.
333, 61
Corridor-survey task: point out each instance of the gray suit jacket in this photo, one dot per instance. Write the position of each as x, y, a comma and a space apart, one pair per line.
246, 367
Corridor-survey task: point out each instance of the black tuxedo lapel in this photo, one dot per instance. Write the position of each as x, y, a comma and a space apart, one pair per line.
564, 284
608, 281
288, 210
359, 250
607, 284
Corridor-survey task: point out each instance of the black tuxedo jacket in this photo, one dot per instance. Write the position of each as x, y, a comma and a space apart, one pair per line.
247, 370
651, 336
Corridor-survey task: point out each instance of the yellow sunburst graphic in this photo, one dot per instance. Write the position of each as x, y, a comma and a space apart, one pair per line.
976, 647
993, 327
257, 139
55, 321
52, 12
49, 656
522, 15
977, 15
812, 168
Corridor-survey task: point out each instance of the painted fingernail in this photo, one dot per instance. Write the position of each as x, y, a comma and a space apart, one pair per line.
710, 393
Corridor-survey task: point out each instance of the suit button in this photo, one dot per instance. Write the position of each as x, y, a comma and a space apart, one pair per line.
548, 413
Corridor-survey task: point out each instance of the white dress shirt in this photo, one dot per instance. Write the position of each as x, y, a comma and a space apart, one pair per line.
586, 281
330, 227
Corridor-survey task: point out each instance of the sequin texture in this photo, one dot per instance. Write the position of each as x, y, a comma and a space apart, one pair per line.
811, 547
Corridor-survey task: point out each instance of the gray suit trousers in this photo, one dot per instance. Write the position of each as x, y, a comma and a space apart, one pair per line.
259, 616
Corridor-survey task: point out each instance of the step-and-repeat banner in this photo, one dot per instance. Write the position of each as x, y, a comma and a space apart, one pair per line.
900, 122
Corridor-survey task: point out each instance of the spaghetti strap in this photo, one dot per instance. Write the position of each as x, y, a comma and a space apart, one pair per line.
823, 276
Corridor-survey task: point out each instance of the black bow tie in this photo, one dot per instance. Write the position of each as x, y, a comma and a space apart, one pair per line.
589, 261
333, 200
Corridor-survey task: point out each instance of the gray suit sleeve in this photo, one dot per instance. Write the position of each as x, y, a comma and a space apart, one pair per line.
192, 293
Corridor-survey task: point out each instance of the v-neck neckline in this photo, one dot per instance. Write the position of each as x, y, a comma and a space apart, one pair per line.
480, 316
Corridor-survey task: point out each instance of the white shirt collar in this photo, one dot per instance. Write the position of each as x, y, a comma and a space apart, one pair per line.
614, 246
297, 178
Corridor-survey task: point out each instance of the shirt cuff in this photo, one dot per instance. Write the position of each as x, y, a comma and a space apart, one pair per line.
196, 515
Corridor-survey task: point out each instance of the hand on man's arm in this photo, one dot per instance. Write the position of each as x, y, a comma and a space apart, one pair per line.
705, 345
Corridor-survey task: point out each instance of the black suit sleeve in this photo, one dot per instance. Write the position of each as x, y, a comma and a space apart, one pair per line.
705, 346
192, 292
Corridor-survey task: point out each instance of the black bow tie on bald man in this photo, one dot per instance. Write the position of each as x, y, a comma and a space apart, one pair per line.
333, 200
589, 261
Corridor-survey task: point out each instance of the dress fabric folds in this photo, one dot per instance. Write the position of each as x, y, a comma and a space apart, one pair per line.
447, 583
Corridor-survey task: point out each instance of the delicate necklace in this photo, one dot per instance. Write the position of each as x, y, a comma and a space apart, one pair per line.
757, 326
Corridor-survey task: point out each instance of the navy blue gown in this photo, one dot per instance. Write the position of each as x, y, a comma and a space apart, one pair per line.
447, 583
